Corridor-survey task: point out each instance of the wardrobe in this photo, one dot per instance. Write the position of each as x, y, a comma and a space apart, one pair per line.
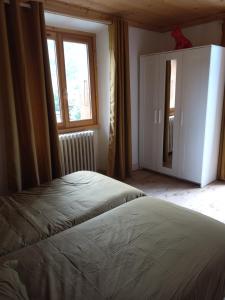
181, 101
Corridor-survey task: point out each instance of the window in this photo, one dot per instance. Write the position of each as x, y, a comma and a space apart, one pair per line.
72, 64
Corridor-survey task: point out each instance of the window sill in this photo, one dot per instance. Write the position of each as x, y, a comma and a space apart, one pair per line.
75, 129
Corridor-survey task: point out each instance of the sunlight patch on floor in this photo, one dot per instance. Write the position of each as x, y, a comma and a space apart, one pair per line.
209, 200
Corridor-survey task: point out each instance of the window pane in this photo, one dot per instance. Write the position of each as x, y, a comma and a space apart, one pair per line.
77, 81
54, 76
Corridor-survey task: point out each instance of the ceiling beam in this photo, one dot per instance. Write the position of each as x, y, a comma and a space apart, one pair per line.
77, 11
23, 4
223, 34
72, 10
142, 25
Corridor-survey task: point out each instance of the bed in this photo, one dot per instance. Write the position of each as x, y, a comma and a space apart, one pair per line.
40, 212
145, 249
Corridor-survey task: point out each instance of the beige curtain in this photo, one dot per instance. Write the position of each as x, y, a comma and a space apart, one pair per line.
30, 133
119, 158
221, 165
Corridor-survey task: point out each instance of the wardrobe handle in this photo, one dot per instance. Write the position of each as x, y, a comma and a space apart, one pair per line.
155, 116
160, 116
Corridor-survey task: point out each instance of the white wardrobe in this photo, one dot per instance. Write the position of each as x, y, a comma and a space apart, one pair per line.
181, 100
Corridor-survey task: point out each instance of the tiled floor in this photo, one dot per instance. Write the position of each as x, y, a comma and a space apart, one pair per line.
209, 200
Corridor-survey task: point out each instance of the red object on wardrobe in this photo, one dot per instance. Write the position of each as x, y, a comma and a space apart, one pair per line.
181, 41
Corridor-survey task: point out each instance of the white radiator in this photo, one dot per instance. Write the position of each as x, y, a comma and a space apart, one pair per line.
77, 151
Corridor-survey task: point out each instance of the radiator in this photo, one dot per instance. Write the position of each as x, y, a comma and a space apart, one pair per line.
77, 151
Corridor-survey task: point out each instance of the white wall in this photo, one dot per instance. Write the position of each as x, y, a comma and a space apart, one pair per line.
140, 42
204, 34
143, 42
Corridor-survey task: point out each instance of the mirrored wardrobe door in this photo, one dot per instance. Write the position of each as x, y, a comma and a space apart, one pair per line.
169, 112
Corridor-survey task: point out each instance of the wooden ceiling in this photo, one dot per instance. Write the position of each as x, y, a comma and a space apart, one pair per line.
159, 15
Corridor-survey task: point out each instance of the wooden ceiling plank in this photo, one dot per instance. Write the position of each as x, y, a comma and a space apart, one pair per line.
154, 15
77, 11
194, 22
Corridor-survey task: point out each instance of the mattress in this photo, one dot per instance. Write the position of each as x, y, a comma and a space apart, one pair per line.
40, 212
145, 249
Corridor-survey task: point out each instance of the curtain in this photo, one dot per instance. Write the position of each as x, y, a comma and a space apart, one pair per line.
119, 154
221, 164
26, 97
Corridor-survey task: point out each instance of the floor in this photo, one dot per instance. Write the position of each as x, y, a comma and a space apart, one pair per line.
209, 200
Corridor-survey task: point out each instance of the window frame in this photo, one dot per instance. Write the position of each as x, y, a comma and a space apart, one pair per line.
59, 36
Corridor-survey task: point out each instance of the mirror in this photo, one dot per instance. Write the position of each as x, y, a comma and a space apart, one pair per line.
169, 113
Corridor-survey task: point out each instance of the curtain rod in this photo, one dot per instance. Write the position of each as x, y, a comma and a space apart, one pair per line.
23, 4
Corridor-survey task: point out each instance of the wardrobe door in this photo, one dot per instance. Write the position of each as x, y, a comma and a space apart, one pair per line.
195, 77
169, 113
148, 117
